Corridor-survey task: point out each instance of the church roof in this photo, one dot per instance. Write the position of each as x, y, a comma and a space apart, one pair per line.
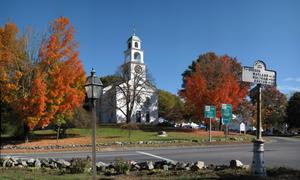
134, 37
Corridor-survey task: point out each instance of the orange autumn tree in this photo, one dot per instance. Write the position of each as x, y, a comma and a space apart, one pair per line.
212, 80
62, 73
10, 55
17, 63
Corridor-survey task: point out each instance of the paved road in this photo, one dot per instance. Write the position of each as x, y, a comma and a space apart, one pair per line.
281, 152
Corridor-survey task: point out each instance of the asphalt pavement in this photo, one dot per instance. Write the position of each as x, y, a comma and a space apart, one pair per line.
282, 151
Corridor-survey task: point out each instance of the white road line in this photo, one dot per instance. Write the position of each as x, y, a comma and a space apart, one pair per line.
158, 157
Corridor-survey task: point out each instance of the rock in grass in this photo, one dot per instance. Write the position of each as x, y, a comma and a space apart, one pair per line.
180, 166
30, 162
45, 163
101, 166
198, 165
61, 163
148, 165
37, 163
236, 163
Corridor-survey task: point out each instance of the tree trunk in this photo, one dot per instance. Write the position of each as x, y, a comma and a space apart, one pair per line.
26, 131
58, 133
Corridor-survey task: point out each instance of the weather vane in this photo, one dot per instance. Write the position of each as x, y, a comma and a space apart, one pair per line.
133, 29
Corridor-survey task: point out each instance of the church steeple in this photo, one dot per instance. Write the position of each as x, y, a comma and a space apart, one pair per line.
134, 58
134, 52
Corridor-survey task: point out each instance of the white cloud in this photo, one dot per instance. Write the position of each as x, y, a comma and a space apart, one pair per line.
287, 88
297, 79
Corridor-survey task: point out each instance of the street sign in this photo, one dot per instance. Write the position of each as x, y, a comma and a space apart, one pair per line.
210, 112
226, 113
242, 127
259, 74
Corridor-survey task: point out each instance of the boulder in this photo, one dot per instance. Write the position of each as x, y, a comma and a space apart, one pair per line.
61, 163
198, 165
101, 166
246, 167
165, 167
148, 165
160, 164
162, 134
30, 162
7, 163
180, 166
236, 164
45, 163
118, 143
37, 163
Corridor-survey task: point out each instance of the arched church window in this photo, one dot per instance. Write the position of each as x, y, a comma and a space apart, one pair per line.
129, 45
137, 56
136, 45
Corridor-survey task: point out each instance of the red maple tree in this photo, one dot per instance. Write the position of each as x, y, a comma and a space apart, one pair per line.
213, 80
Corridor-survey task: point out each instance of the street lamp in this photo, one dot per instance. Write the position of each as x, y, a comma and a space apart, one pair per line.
93, 88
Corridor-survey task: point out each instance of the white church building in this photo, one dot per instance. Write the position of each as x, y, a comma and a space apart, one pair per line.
133, 93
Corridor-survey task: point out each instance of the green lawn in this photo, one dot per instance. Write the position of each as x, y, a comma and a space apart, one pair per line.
107, 134
227, 174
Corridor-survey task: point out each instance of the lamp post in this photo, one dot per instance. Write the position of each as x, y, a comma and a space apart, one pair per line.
93, 88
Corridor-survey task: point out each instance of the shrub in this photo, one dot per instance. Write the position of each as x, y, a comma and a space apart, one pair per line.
81, 118
80, 165
121, 166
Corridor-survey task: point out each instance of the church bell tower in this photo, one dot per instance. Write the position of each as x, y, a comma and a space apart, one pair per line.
134, 57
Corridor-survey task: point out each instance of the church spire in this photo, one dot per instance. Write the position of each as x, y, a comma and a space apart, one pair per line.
133, 30
134, 52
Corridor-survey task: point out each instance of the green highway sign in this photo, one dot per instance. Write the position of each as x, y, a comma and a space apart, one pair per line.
226, 113
210, 112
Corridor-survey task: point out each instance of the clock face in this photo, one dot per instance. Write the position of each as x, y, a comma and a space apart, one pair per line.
138, 69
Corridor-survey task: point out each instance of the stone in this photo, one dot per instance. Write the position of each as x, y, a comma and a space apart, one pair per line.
180, 166
246, 167
162, 134
119, 143
7, 163
150, 165
101, 166
198, 165
23, 163
165, 167
61, 163
160, 164
37, 163
30, 162
236, 164
45, 163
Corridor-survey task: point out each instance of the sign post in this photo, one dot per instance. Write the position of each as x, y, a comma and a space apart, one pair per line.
258, 75
210, 112
226, 111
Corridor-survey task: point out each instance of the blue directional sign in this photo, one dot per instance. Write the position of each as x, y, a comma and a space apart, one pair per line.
226, 113
210, 112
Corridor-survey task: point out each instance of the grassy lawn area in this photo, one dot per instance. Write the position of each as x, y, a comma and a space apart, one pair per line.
106, 134
36, 174
113, 135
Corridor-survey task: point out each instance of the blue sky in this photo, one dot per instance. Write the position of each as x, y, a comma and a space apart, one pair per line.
174, 32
